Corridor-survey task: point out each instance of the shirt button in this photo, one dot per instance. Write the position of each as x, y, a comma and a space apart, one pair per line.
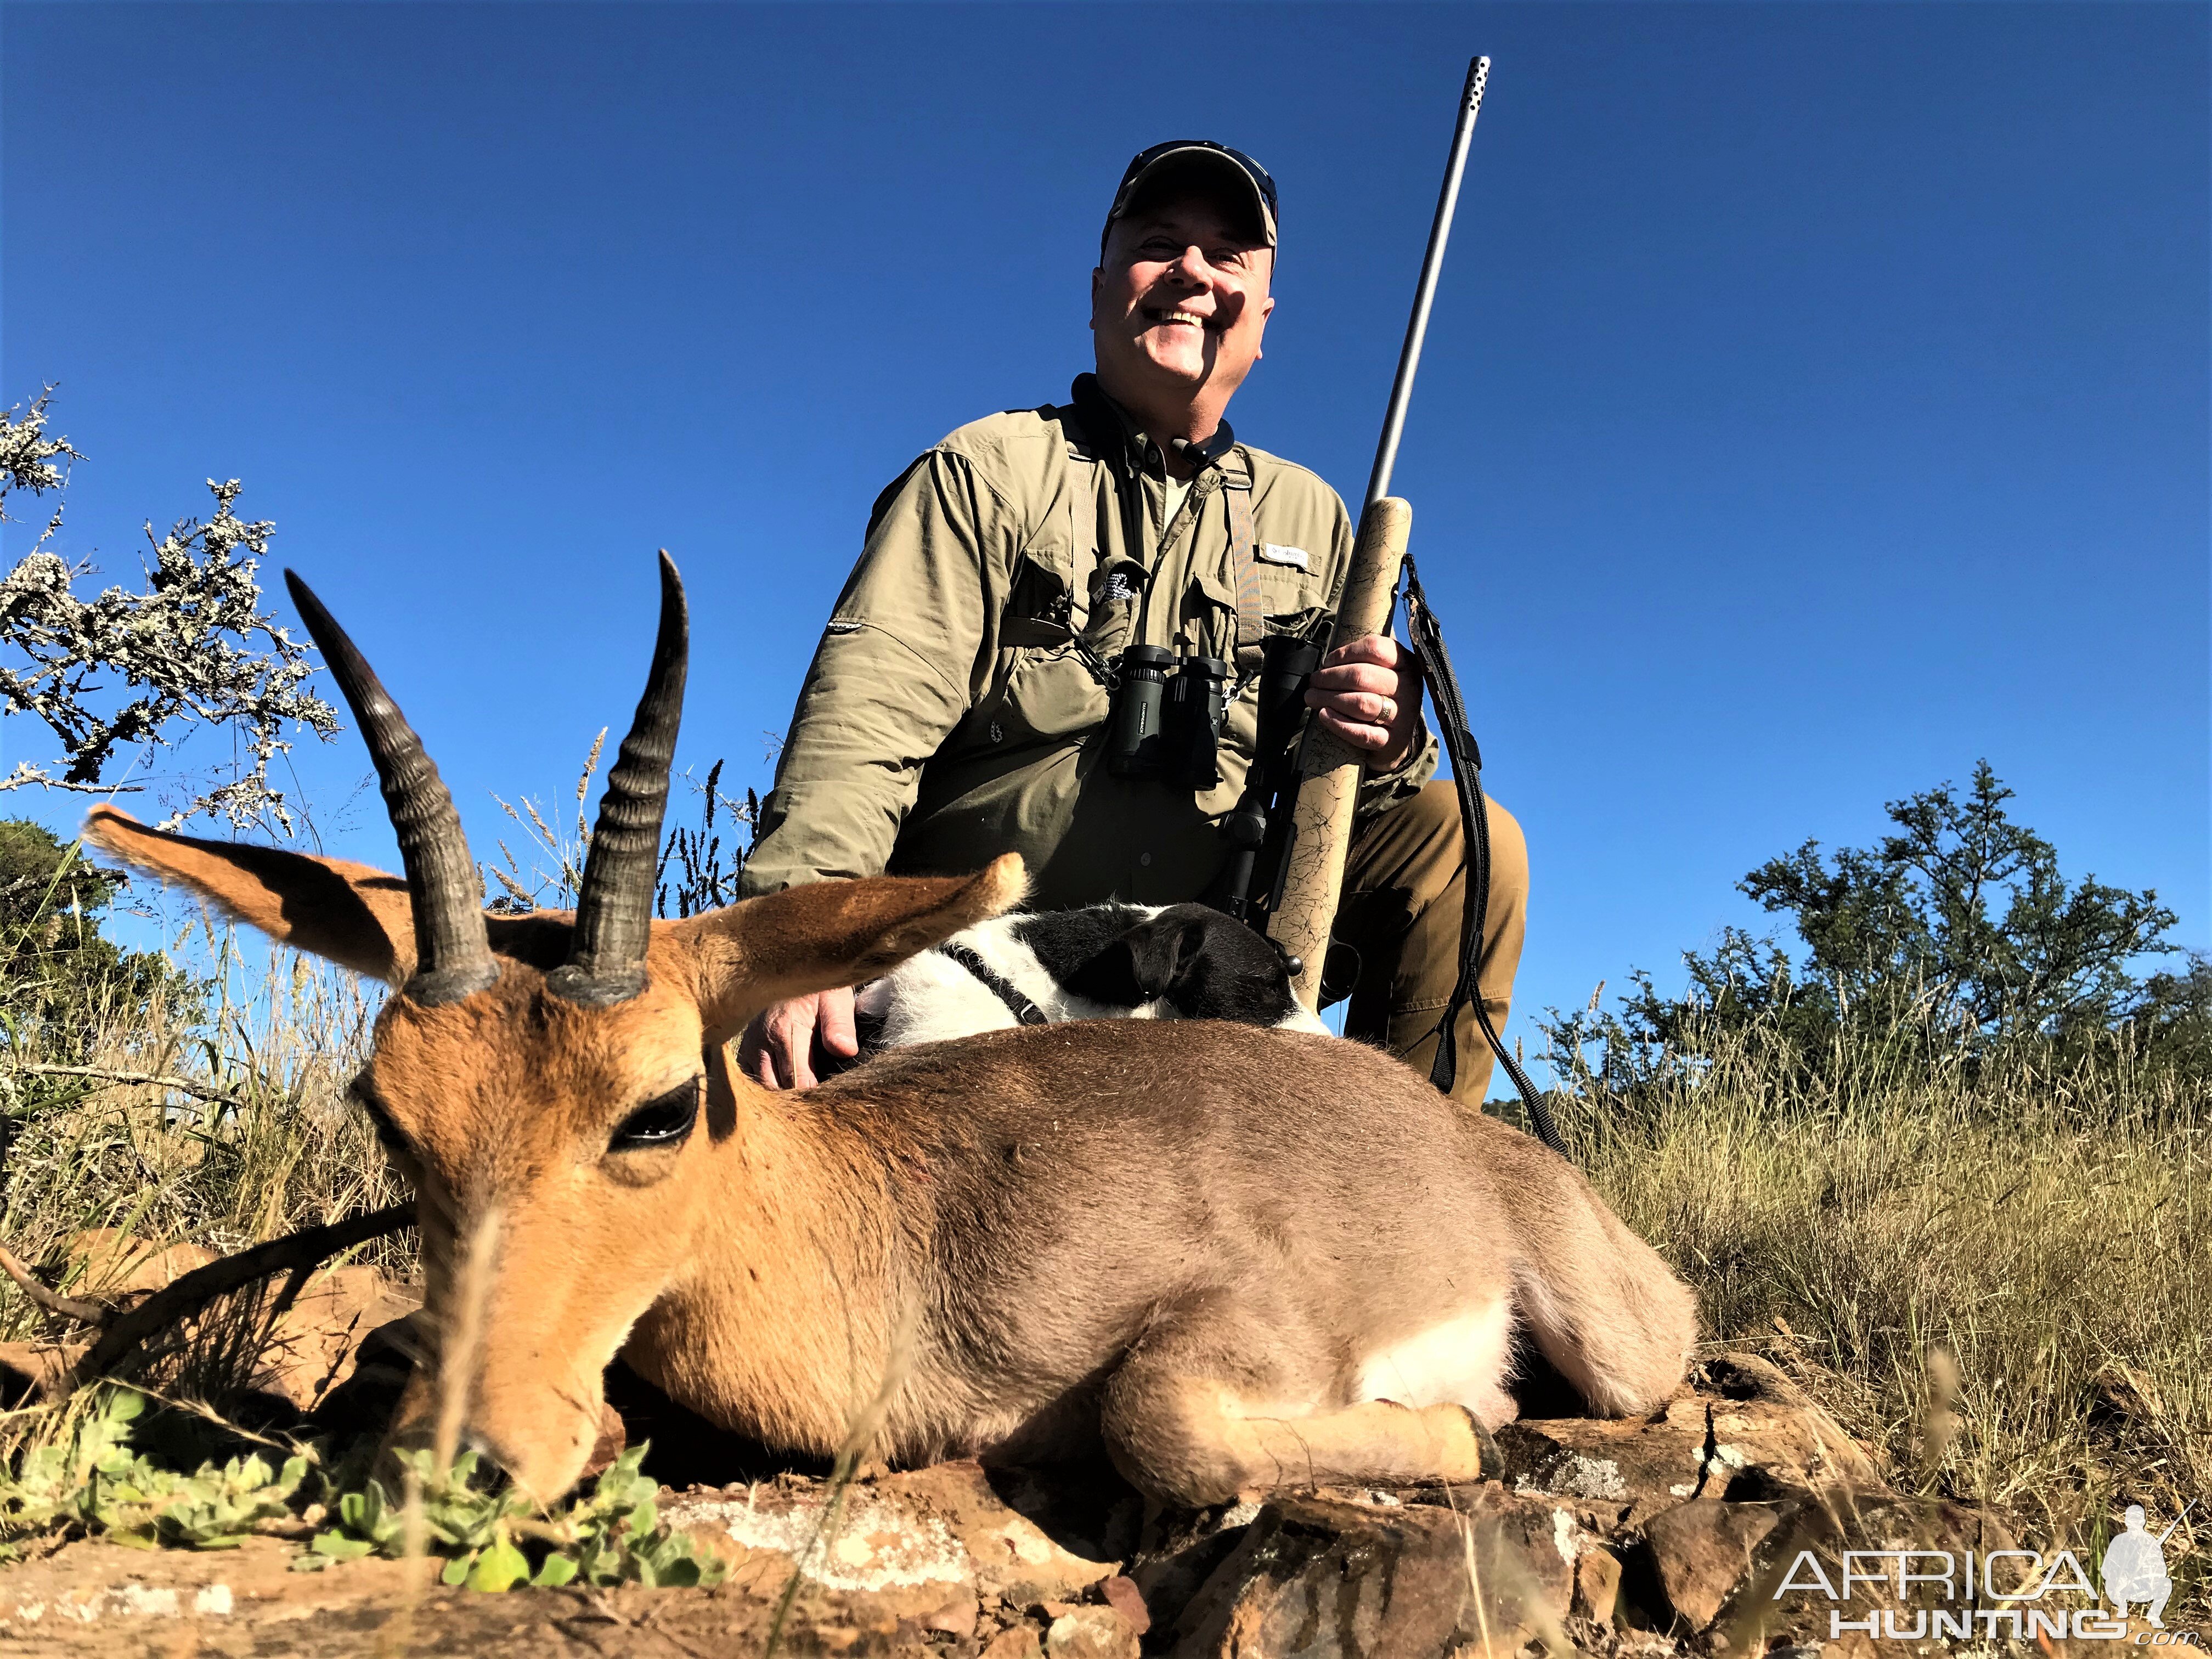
1143, 857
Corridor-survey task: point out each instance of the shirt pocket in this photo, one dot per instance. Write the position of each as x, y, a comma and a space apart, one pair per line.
1295, 601
1047, 696
1287, 595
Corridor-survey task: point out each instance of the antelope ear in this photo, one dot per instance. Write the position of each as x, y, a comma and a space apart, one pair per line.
827, 934
348, 913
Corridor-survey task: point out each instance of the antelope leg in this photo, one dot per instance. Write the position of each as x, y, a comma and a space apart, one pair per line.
1190, 1420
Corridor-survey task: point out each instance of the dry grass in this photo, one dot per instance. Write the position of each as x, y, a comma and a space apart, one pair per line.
1996, 1276
262, 1143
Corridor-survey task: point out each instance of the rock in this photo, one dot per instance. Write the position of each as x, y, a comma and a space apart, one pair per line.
1178, 1551
957, 1618
1761, 1612
1125, 1598
917, 1538
1091, 1633
2124, 1394
1788, 1445
1325, 1576
1019, 1643
106, 1264
1748, 1433
1597, 1584
1702, 1550
1616, 1473
313, 1346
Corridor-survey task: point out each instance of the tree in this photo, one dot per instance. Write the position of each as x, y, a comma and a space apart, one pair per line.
1966, 909
193, 649
60, 978
1958, 930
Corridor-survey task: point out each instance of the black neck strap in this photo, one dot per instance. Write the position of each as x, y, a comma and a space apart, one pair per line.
1018, 1005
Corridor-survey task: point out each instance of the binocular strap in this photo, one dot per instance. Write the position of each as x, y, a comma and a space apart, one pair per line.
1458, 740
1244, 556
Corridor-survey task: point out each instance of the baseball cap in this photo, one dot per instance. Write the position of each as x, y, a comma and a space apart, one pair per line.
1246, 178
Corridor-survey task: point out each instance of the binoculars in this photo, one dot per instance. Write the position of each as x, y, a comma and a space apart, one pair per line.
1164, 718
1258, 828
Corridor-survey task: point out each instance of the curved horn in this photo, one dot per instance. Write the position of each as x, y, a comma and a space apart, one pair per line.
452, 953
614, 910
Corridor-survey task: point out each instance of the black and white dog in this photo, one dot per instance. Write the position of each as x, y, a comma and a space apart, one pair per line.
1106, 962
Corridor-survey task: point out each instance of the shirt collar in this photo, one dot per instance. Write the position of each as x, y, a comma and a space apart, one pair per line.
1109, 425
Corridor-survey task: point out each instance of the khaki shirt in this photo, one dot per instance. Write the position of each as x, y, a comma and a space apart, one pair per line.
950, 714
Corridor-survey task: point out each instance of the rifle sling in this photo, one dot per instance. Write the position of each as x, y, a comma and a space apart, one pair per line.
1457, 737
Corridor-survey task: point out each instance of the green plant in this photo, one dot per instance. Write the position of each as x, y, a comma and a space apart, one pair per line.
493, 1540
61, 978
93, 1477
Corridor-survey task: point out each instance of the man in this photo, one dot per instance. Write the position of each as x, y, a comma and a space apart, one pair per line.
957, 706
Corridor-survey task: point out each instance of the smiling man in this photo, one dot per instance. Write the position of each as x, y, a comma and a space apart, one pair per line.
957, 706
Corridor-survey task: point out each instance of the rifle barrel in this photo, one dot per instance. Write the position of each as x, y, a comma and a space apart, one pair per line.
1409, 355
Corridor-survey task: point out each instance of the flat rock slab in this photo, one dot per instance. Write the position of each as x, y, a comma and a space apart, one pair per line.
1316, 1578
922, 1538
1744, 1433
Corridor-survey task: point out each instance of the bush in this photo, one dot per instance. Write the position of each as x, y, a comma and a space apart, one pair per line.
1953, 938
1944, 1162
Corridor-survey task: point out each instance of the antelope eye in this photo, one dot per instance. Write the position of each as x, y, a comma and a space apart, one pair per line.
663, 1122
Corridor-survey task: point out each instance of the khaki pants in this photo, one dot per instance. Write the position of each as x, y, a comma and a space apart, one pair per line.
1405, 897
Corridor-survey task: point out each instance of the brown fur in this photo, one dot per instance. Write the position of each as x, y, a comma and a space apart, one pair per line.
1188, 1239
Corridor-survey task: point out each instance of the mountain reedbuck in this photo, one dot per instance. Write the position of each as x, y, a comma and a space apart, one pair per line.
1238, 1258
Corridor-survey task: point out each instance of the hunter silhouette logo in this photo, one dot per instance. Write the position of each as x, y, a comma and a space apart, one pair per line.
2134, 1568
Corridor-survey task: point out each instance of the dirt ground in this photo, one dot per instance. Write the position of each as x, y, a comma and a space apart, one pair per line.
94, 1599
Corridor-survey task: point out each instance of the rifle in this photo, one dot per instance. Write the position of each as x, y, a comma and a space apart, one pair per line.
1297, 819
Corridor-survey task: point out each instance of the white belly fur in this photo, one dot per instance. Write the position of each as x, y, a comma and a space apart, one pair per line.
1462, 1361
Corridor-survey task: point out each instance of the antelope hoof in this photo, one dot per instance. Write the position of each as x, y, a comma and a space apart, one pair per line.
1467, 1451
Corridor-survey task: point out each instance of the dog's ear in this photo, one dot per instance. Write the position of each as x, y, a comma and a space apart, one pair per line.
1155, 958
1206, 964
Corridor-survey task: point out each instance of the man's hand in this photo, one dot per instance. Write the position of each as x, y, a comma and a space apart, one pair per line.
777, 1049
1369, 693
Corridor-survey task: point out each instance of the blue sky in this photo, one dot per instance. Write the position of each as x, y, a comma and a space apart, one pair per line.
1816, 400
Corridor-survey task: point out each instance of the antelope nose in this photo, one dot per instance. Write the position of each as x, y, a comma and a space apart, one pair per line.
495, 1469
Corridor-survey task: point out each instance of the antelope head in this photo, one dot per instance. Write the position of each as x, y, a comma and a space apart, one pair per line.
542, 1080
